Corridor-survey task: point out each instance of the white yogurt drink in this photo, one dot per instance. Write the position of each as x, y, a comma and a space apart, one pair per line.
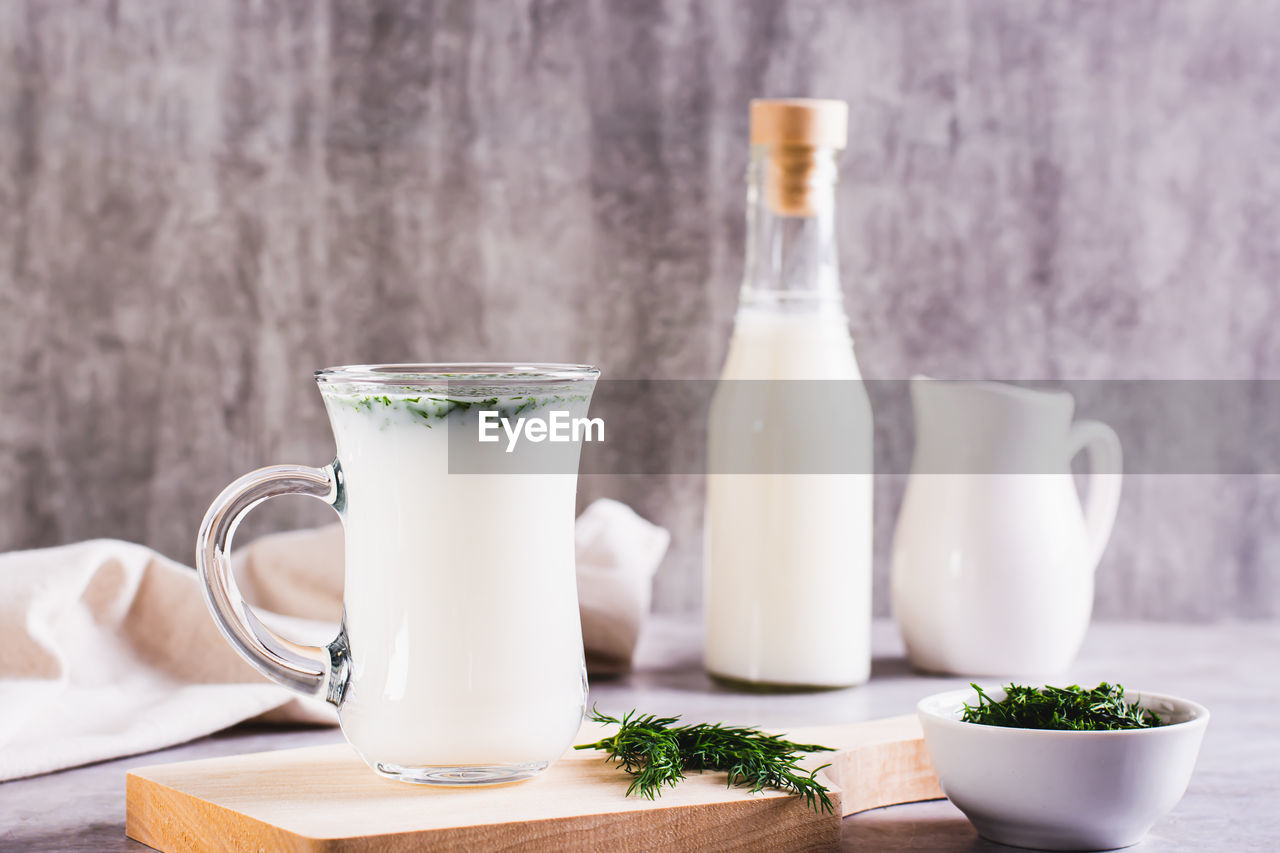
788, 555
461, 610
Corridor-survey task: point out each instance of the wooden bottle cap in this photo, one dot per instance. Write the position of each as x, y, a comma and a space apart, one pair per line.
810, 122
795, 131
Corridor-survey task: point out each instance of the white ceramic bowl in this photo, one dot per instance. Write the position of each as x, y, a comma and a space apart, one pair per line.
1062, 790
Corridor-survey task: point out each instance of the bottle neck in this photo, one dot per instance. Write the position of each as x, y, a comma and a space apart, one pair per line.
792, 263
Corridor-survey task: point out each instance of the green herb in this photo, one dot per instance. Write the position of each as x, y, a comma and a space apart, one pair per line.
430, 408
1070, 708
657, 753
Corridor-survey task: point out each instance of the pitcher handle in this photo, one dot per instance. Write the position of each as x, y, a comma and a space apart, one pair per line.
310, 670
1105, 466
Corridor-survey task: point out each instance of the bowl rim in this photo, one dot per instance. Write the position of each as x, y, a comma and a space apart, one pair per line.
954, 698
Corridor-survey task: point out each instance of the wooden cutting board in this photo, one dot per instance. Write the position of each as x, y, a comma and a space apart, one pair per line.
326, 798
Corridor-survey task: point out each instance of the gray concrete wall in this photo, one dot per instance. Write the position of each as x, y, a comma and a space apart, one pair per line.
202, 202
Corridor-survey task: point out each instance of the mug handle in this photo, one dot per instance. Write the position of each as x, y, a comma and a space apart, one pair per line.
315, 671
1105, 466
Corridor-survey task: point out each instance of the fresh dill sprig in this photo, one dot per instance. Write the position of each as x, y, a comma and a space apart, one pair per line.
657, 753
1069, 708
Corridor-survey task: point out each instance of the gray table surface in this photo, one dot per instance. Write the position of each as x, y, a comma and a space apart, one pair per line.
1230, 805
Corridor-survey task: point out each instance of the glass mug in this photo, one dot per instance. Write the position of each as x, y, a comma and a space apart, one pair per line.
459, 659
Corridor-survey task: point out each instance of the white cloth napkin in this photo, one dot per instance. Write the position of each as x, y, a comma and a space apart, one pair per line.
106, 648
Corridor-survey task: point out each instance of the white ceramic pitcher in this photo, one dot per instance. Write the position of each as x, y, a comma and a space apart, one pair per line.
993, 557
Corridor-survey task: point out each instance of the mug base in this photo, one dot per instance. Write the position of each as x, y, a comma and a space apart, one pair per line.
466, 774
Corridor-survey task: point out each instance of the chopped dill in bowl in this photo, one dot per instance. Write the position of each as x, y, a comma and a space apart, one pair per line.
1061, 708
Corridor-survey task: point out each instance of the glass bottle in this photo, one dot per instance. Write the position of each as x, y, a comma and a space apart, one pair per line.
787, 580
